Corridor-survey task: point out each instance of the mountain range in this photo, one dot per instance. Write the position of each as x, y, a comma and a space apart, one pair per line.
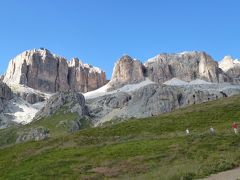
38, 84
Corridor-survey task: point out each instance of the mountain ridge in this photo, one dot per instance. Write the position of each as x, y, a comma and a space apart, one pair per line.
42, 70
136, 90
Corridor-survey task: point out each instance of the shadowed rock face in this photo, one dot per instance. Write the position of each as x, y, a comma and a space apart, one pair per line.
5, 95
41, 70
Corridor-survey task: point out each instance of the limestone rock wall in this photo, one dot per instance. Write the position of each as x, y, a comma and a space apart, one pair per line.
231, 67
44, 71
185, 66
126, 71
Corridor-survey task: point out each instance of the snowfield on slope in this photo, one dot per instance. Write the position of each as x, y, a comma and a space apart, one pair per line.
178, 82
127, 88
22, 112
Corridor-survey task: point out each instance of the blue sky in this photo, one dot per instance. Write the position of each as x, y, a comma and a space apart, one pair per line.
100, 31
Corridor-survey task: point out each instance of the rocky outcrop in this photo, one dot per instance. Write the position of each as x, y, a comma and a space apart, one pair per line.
34, 134
31, 98
74, 102
44, 71
5, 95
231, 68
71, 125
154, 99
126, 71
84, 77
1, 78
5, 92
185, 66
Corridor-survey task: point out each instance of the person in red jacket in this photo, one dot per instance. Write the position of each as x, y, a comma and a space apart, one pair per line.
235, 127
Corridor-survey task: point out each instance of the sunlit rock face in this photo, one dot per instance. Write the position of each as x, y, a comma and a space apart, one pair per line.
186, 66
44, 71
231, 67
126, 71
84, 77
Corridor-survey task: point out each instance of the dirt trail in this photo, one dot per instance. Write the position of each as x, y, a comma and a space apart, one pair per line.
226, 175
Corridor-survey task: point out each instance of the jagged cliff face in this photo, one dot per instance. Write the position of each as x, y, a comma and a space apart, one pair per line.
41, 70
5, 95
231, 68
83, 77
126, 71
186, 66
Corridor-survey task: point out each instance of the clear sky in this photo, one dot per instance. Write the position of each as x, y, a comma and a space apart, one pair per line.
100, 31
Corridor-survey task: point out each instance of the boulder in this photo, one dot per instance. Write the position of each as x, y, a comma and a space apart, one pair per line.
73, 100
34, 134
33, 98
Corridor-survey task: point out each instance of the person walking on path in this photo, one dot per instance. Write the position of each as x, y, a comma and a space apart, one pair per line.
187, 132
235, 127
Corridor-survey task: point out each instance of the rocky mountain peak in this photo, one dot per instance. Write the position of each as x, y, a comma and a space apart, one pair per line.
126, 71
231, 68
44, 71
186, 66
226, 63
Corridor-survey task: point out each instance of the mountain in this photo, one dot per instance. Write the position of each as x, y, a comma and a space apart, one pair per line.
162, 84
41, 70
186, 66
126, 71
231, 67
41, 99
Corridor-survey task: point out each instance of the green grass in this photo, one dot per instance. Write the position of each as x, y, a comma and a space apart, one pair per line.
149, 148
58, 124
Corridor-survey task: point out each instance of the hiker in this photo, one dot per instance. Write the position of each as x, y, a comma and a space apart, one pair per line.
235, 127
212, 130
187, 132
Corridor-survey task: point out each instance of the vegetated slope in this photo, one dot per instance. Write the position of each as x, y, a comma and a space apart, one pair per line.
150, 148
58, 124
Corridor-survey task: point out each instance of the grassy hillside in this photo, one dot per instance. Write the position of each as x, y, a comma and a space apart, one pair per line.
150, 148
58, 124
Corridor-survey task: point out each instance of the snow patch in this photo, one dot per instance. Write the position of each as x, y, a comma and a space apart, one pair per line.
199, 81
22, 112
127, 88
175, 82
185, 52
236, 61
18, 88
178, 82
